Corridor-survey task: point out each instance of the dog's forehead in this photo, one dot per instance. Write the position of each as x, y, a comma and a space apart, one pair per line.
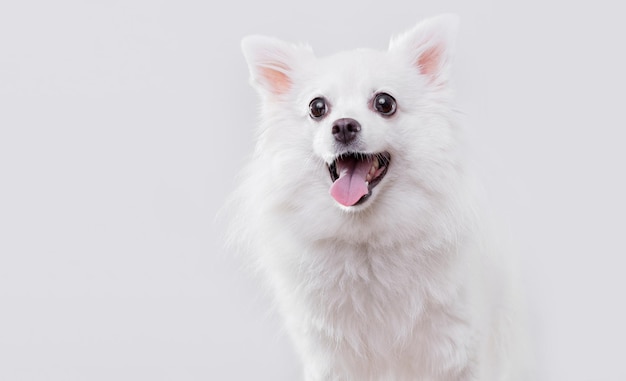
355, 70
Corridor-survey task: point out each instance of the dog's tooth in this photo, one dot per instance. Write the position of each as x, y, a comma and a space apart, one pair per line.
368, 177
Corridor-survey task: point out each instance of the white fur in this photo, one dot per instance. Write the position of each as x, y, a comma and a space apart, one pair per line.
406, 286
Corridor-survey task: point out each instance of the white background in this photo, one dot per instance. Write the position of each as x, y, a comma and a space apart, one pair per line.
123, 123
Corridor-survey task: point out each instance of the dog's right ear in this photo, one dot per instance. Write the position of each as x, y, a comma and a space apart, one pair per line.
272, 63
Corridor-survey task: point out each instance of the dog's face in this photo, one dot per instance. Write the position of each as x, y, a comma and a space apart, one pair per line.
353, 111
363, 115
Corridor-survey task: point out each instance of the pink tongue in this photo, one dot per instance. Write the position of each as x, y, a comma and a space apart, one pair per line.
350, 186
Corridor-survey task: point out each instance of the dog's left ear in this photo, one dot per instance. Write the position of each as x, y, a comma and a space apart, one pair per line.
429, 46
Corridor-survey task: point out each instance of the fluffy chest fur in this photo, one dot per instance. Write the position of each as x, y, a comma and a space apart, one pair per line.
361, 311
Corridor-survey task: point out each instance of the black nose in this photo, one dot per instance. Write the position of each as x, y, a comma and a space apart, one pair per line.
345, 130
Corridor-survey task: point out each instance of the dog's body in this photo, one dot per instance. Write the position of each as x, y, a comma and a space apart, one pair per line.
391, 276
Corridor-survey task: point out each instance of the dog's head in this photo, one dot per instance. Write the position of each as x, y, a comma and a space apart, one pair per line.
359, 120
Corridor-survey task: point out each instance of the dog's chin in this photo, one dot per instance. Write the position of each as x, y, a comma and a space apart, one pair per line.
365, 203
355, 177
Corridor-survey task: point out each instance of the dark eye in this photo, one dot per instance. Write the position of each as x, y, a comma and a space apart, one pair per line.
385, 104
318, 108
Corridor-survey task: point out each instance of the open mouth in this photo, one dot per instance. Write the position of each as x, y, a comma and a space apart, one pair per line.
355, 174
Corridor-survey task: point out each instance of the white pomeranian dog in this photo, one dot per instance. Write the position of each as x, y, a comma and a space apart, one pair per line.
361, 213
